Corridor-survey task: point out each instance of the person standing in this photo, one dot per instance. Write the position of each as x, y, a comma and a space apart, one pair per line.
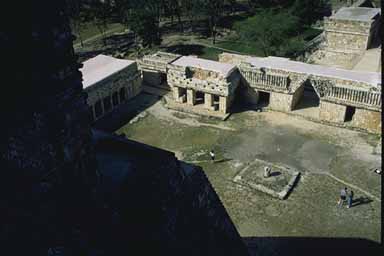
212, 154
350, 199
343, 196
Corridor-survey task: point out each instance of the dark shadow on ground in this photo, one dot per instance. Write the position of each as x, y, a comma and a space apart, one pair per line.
274, 174
85, 55
112, 45
223, 160
125, 112
186, 49
311, 246
361, 200
229, 21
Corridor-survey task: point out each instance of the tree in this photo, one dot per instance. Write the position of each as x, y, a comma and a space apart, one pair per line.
74, 9
269, 29
310, 11
144, 20
214, 9
101, 12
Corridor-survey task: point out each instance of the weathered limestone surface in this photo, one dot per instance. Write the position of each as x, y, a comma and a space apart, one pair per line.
348, 33
223, 102
296, 97
285, 80
191, 97
332, 112
368, 120
280, 102
213, 79
208, 101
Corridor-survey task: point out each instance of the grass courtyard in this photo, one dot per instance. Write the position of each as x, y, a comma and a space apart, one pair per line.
328, 158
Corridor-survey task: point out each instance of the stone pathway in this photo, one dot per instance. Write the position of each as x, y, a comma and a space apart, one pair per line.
353, 186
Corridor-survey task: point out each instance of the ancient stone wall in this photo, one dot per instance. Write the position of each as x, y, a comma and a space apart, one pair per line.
129, 78
331, 112
368, 120
201, 80
280, 101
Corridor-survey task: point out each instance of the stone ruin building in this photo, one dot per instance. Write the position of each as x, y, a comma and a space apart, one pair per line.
202, 86
154, 68
70, 190
336, 96
347, 35
340, 95
108, 83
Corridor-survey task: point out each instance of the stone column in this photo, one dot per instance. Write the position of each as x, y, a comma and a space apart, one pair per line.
191, 97
223, 104
177, 94
118, 96
94, 112
102, 106
208, 100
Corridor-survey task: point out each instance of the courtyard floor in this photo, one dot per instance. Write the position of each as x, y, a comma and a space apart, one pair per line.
329, 158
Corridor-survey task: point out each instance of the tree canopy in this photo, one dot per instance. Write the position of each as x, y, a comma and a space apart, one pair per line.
270, 29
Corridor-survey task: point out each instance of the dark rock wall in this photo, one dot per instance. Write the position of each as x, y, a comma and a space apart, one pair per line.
51, 196
169, 206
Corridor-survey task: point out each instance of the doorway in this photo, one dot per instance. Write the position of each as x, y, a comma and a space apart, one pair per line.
349, 113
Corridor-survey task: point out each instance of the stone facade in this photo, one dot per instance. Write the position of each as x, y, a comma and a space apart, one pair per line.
351, 29
348, 33
332, 112
154, 68
214, 82
338, 90
368, 120
112, 90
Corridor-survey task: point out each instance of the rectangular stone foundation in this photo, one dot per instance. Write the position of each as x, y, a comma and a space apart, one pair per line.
331, 112
368, 120
280, 101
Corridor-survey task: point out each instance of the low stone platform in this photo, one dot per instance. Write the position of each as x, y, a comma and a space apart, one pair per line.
171, 104
278, 185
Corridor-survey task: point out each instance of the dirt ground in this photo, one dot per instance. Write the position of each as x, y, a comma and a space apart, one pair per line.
329, 158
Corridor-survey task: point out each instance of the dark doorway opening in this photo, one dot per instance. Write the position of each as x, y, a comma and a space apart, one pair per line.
123, 94
163, 79
199, 98
107, 103
264, 98
216, 101
98, 109
349, 113
309, 98
115, 99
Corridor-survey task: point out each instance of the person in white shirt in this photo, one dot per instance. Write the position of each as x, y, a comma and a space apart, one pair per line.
212, 154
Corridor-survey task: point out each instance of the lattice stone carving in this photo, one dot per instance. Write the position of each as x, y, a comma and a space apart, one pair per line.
322, 86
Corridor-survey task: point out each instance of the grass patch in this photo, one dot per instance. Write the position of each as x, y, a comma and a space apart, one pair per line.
251, 48
89, 29
194, 49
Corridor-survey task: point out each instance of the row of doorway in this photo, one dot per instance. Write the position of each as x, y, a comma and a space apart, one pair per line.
308, 103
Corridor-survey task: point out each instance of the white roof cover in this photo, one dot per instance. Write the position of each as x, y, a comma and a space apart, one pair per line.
188, 61
373, 78
100, 67
356, 13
